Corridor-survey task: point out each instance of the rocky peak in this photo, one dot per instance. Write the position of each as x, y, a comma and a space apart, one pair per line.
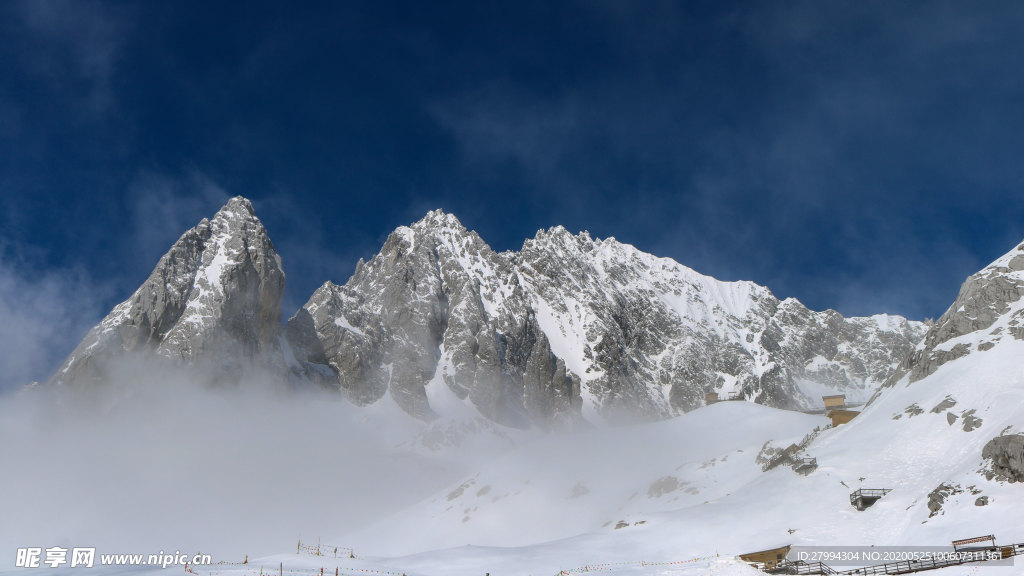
558, 239
439, 219
988, 308
568, 327
237, 207
215, 296
439, 228
437, 232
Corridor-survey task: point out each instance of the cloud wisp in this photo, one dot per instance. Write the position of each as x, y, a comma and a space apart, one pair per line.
152, 461
44, 313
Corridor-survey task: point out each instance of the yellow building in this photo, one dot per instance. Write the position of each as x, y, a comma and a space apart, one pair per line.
837, 402
841, 416
766, 559
710, 398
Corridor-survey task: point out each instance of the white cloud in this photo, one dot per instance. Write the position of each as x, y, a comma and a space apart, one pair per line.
152, 461
43, 315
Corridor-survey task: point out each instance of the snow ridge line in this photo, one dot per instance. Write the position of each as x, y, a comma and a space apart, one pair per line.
637, 563
249, 570
261, 571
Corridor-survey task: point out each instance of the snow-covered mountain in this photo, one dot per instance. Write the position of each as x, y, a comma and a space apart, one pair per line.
214, 296
570, 323
567, 327
948, 442
987, 310
681, 496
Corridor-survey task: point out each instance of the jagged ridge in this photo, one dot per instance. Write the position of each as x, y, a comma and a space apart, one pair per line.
568, 327
571, 325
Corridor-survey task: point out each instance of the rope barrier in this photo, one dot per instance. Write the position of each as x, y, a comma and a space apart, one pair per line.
271, 572
320, 549
285, 571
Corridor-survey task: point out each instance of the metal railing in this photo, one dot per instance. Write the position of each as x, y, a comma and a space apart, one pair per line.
988, 553
863, 493
801, 567
906, 567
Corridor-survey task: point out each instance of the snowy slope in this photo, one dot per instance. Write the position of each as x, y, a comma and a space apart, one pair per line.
681, 496
918, 435
731, 506
552, 487
527, 514
548, 506
599, 501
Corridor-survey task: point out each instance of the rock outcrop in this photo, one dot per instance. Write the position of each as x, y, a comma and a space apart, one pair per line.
215, 297
989, 301
1005, 458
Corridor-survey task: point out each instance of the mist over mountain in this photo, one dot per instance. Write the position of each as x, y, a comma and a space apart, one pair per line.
944, 438
407, 412
569, 328
512, 289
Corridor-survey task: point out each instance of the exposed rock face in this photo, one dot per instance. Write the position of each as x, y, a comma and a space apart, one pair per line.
215, 296
438, 302
988, 301
570, 323
989, 307
971, 422
1005, 455
568, 327
937, 497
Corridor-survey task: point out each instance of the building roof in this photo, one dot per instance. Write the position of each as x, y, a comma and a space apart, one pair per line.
768, 551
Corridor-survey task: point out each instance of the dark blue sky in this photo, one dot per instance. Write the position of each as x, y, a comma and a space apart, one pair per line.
863, 156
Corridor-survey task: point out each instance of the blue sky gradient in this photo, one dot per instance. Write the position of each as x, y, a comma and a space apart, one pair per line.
857, 156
